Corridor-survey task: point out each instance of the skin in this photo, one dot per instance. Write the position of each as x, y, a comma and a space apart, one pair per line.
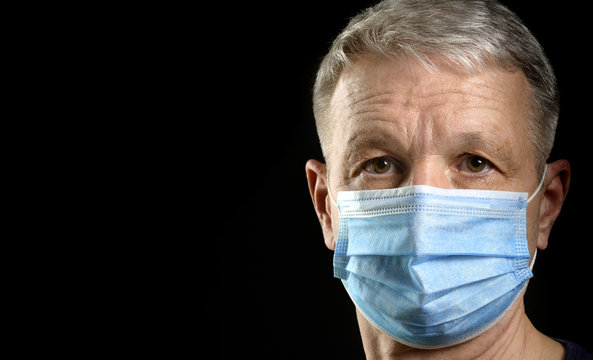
397, 124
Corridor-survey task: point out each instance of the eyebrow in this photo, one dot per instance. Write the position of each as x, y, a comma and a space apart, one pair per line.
471, 139
363, 140
467, 141
475, 139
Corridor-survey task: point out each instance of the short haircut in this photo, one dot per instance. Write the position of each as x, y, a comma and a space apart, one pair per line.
464, 33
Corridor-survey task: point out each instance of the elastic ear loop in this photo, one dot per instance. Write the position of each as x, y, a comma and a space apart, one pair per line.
541, 183
539, 186
329, 190
533, 260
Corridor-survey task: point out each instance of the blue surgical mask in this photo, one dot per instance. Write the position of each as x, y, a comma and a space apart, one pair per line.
433, 267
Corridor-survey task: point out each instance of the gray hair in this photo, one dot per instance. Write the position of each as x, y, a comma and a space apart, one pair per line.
465, 33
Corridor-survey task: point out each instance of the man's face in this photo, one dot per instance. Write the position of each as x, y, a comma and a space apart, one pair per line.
397, 124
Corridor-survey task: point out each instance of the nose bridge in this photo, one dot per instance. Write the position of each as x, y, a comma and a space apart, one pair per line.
428, 171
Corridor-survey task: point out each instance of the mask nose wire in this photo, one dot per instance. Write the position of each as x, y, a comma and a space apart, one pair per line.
539, 186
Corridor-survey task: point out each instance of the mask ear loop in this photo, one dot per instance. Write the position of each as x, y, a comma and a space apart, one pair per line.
541, 183
533, 260
329, 193
329, 190
539, 186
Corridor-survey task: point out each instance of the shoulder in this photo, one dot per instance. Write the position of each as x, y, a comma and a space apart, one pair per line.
575, 351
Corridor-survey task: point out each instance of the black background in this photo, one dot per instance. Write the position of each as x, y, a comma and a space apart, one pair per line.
273, 294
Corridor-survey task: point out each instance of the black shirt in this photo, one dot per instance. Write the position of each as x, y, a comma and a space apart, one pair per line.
575, 351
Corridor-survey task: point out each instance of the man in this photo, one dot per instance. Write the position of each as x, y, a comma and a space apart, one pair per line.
436, 119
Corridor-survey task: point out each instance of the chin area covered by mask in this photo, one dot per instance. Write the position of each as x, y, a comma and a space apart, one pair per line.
433, 267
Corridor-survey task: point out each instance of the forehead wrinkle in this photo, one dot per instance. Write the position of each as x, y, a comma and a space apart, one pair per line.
367, 108
461, 96
356, 104
366, 138
376, 98
352, 101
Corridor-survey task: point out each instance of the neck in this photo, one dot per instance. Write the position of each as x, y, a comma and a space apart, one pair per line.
513, 337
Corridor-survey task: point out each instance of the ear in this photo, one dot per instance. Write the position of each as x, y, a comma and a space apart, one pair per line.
554, 192
317, 179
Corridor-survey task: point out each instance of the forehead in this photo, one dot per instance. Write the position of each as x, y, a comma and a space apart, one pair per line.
407, 81
381, 97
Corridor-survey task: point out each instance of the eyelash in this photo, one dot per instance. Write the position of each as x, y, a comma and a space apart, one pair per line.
484, 164
369, 165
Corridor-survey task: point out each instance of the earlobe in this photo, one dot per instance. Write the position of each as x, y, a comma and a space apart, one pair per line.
554, 192
317, 180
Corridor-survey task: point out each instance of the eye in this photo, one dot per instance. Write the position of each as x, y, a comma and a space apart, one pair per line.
476, 164
379, 165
